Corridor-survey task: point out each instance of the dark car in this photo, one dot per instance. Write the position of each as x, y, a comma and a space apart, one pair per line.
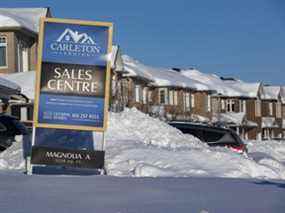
10, 127
213, 136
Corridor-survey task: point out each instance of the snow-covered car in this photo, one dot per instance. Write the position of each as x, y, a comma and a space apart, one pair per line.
9, 128
213, 136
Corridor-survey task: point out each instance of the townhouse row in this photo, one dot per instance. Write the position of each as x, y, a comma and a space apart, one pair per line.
254, 110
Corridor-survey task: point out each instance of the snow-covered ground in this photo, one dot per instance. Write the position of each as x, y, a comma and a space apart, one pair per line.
20, 193
140, 146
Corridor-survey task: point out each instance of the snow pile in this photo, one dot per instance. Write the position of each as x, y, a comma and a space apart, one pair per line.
135, 125
234, 118
27, 18
12, 158
140, 146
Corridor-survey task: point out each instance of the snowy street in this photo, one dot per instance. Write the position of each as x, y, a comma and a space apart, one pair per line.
22, 194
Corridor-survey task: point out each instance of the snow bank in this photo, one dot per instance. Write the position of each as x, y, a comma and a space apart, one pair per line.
137, 126
141, 146
12, 158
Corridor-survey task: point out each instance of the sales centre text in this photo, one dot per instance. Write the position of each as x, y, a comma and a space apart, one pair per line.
73, 80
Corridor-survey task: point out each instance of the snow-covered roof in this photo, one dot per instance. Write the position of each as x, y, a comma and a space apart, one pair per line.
161, 77
26, 80
9, 84
270, 92
245, 89
27, 18
115, 49
268, 122
236, 88
282, 94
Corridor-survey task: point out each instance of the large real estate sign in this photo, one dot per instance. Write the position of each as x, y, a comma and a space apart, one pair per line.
74, 72
72, 86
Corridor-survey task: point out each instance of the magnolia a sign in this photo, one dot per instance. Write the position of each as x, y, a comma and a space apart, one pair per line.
73, 77
66, 157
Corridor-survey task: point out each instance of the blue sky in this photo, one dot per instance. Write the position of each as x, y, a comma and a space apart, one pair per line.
243, 39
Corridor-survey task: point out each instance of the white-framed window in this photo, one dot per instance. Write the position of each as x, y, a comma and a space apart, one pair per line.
278, 110
208, 103
138, 93
242, 106
3, 51
266, 133
145, 89
175, 94
163, 95
230, 104
187, 100
257, 108
171, 97
270, 106
192, 100
149, 96
223, 104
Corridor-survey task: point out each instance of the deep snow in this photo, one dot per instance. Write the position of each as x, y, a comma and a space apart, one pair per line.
142, 146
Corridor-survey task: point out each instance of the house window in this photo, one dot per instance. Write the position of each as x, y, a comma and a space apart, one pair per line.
171, 97
145, 95
278, 110
230, 105
187, 100
163, 96
192, 100
3, 51
266, 133
242, 106
149, 96
270, 106
258, 108
137, 93
208, 103
223, 104
175, 98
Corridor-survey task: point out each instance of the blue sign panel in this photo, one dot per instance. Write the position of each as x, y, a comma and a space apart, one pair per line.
75, 44
73, 110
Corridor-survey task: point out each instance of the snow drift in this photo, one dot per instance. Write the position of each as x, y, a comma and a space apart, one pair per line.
142, 146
